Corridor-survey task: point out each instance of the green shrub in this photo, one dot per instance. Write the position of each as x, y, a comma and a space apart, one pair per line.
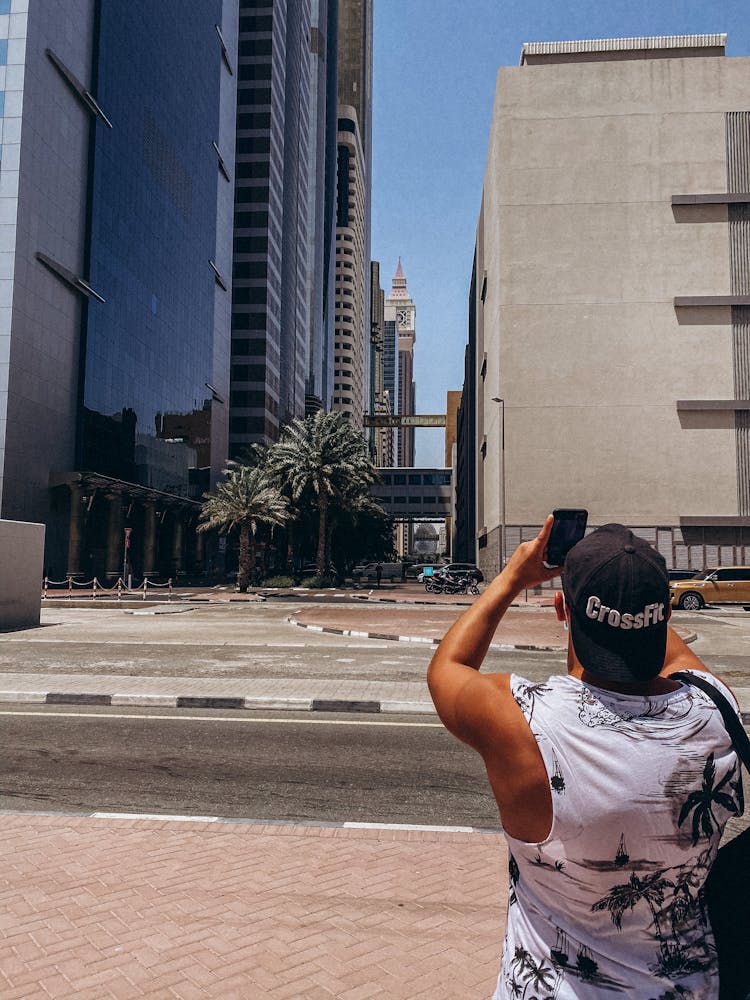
278, 581
317, 582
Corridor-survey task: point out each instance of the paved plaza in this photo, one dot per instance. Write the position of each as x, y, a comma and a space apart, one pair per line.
102, 906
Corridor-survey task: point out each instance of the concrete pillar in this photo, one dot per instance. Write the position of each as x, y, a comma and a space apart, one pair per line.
200, 550
149, 540
113, 565
177, 537
76, 530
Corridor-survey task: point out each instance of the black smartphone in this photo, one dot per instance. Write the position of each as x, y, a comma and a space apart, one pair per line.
569, 528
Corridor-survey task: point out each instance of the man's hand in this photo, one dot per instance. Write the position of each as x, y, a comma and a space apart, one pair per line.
525, 568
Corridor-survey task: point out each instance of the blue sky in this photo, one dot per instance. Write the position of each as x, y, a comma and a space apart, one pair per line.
435, 63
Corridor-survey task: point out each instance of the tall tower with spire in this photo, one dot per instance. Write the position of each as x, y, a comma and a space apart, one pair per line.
399, 307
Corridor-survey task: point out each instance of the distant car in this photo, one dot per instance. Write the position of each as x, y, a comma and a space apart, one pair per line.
367, 571
464, 569
718, 585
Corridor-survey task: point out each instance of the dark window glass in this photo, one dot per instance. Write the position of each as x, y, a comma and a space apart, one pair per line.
416, 480
250, 269
249, 296
253, 145
250, 244
247, 195
254, 120
256, 22
254, 46
386, 480
255, 168
342, 202
347, 125
247, 425
399, 479
248, 397
254, 71
251, 220
249, 321
401, 500
248, 373
415, 500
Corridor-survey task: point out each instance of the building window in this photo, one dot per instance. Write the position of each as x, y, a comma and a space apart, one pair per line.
342, 202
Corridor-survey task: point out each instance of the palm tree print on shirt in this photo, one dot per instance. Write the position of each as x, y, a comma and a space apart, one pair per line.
701, 802
676, 914
526, 694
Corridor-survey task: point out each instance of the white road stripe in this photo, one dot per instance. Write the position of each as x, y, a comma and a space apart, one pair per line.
240, 719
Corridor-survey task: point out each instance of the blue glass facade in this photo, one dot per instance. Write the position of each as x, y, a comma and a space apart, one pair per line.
149, 348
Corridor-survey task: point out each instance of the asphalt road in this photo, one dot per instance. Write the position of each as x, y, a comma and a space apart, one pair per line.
277, 767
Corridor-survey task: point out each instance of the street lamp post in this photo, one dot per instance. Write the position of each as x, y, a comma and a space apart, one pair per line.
497, 399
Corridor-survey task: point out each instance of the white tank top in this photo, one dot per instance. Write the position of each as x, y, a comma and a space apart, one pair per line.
611, 901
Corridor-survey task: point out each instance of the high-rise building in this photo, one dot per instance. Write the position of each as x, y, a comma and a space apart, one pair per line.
390, 385
322, 203
118, 123
270, 290
399, 307
612, 296
378, 435
352, 315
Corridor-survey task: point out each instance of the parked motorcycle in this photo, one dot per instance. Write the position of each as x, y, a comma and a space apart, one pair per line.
448, 583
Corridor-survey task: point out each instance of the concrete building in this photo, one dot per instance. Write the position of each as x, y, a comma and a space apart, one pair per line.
354, 179
611, 299
270, 292
379, 436
390, 384
400, 309
115, 251
322, 203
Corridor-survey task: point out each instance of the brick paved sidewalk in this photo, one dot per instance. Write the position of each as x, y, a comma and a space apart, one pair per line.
114, 908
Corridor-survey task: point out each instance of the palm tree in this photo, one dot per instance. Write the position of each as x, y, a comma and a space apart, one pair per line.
326, 457
626, 896
245, 499
702, 801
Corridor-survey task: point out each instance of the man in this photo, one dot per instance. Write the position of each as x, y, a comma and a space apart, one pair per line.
378, 574
614, 783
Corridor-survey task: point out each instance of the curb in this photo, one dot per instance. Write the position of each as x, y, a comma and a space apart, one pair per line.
252, 703
356, 634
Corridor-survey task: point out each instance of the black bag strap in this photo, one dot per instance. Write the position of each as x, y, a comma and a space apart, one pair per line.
736, 731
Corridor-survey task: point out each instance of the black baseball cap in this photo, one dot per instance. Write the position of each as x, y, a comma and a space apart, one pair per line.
616, 587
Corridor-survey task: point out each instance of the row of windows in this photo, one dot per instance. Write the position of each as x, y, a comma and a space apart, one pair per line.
416, 501
254, 71
249, 321
249, 144
256, 22
250, 244
245, 195
252, 425
253, 95
251, 220
249, 47
250, 269
249, 296
254, 120
248, 373
417, 479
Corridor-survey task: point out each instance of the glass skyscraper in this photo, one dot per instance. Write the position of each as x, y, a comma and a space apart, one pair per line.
117, 305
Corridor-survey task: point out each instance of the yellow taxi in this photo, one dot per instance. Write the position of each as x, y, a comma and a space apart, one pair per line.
718, 585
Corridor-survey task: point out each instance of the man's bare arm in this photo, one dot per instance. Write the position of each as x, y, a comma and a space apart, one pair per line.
471, 705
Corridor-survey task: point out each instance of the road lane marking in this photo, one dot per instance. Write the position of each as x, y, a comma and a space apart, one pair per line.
210, 718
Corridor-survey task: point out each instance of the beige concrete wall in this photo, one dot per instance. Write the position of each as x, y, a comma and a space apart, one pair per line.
584, 255
21, 572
